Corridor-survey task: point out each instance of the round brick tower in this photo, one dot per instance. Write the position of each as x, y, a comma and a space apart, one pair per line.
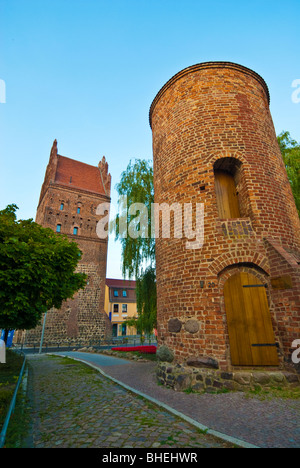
233, 300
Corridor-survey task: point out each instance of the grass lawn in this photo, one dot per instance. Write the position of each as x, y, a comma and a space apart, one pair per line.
131, 354
9, 374
148, 357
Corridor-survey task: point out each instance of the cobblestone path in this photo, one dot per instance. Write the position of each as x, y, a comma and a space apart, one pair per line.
74, 406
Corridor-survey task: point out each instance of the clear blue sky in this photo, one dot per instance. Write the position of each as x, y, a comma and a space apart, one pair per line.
86, 71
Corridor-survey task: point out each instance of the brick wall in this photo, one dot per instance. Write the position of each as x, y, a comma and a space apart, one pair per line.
216, 115
66, 201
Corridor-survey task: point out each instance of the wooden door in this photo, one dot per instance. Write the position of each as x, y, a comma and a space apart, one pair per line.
227, 199
250, 329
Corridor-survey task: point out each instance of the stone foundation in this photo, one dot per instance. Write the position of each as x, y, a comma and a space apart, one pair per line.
180, 378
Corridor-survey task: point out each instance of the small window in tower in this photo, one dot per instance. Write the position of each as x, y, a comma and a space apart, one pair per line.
228, 176
58, 227
61, 206
75, 231
227, 200
78, 210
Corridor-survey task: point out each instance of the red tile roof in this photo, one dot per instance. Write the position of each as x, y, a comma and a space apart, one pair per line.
120, 283
79, 175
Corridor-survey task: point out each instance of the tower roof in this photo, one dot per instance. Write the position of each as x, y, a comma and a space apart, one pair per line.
76, 174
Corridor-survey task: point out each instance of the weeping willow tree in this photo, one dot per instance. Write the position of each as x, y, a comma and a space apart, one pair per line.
145, 322
136, 194
290, 151
132, 227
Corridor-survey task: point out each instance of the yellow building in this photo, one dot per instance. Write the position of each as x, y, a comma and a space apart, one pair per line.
120, 305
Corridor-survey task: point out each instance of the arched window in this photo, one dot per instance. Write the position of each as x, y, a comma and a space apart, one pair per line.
227, 199
58, 227
226, 171
61, 206
75, 231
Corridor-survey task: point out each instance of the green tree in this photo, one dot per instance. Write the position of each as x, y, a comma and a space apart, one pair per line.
146, 297
37, 271
135, 187
290, 151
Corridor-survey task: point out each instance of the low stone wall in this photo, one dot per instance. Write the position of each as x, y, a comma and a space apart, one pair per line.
180, 377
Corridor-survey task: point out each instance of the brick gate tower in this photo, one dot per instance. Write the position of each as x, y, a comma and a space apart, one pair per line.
69, 197
233, 302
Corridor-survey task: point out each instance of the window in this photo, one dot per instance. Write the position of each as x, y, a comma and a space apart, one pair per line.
116, 308
61, 206
227, 200
58, 227
230, 188
78, 210
124, 293
75, 231
116, 294
124, 308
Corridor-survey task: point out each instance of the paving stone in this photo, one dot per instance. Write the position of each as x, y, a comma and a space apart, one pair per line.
76, 396
266, 423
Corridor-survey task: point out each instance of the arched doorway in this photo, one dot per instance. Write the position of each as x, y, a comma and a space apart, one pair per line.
250, 329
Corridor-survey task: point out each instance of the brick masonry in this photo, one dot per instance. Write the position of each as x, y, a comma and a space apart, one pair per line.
216, 116
78, 189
